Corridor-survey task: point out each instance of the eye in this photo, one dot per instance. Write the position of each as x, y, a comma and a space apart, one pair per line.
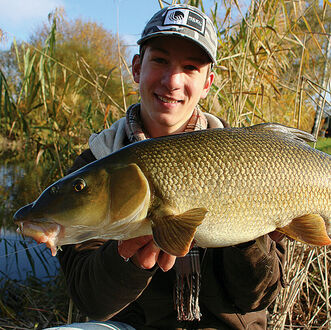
191, 68
159, 60
79, 185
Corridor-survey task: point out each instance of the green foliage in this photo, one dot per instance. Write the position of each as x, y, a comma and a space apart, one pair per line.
324, 144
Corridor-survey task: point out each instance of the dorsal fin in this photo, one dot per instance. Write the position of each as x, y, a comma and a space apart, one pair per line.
288, 132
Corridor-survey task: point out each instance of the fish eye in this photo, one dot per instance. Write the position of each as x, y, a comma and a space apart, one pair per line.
79, 185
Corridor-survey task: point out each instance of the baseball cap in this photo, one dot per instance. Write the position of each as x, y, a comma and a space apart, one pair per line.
183, 21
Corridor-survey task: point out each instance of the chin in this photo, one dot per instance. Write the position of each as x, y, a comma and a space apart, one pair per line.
166, 121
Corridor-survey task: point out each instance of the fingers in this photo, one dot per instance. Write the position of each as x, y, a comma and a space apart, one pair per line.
276, 236
147, 256
144, 253
128, 248
166, 261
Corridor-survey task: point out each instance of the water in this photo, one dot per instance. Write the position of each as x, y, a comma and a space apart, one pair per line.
21, 258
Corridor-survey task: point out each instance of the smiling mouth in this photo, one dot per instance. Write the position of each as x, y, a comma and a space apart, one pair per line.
168, 100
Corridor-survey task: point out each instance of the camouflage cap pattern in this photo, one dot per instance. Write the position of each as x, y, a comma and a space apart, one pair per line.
183, 21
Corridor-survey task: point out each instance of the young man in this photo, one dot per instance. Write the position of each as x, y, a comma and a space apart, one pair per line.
132, 281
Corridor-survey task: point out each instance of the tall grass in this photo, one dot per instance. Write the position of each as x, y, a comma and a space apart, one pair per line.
35, 304
272, 61
264, 73
305, 302
47, 107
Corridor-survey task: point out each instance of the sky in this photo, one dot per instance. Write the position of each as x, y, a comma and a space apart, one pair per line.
20, 18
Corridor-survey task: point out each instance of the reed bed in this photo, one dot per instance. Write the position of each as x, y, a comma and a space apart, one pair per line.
273, 66
305, 301
35, 304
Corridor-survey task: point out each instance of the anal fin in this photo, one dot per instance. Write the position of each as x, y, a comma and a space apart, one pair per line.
174, 233
309, 229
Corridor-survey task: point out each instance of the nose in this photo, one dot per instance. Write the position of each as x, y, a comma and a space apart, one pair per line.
172, 78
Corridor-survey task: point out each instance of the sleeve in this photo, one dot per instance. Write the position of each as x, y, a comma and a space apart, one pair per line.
98, 280
83, 159
251, 278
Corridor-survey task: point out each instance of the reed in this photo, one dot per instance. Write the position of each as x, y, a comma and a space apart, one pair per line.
264, 64
305, 302
35, 304
52, 108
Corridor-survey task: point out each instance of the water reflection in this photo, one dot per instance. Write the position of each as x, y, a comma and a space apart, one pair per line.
20, 258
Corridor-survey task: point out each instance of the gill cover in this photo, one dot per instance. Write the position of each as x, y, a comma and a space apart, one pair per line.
129, 192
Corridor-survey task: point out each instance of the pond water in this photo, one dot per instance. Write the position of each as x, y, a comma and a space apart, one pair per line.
21, 258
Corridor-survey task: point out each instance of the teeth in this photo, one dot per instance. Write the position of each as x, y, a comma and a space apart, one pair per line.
164, 99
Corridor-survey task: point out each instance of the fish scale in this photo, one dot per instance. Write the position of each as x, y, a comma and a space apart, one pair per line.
219, 187
261, 180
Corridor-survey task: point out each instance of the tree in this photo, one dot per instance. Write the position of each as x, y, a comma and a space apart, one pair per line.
63, 84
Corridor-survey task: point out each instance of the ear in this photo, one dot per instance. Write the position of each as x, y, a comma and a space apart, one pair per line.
207, 85
136, 66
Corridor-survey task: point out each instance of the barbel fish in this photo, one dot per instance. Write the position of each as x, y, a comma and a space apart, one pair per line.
218, 187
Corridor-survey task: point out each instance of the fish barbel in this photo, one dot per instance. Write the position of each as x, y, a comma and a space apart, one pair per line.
220, 187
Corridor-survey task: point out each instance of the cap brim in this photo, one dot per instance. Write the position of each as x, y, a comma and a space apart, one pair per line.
177, 34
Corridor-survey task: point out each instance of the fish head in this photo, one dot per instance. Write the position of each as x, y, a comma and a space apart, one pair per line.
91, 200
80, 198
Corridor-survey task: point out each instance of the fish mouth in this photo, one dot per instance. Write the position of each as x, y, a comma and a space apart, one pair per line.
42, 232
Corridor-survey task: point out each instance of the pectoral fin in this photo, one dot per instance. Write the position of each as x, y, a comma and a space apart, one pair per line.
309, 229
174, 233
129, 192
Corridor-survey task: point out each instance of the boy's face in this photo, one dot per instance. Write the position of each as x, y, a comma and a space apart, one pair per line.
172, 77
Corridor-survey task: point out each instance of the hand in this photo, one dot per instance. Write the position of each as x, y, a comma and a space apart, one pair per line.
145, 254
276, 236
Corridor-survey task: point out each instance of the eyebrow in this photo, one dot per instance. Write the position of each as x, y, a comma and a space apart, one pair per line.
200, 60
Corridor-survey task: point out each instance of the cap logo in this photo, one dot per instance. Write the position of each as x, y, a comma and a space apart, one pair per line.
176, 16
186, 18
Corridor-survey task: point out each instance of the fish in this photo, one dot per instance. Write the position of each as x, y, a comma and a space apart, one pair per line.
218, 187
